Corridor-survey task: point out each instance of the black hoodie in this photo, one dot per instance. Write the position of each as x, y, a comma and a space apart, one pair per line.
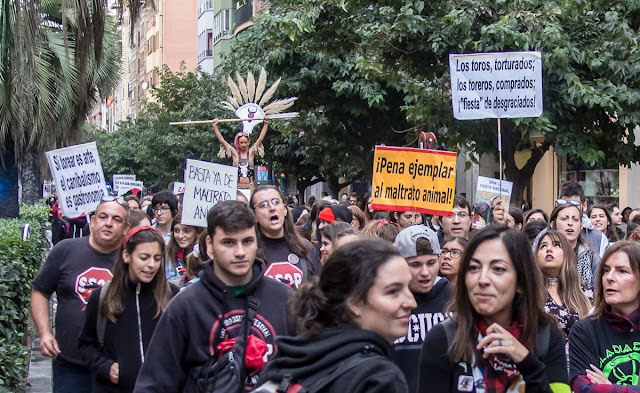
430, 312
303, 357
201, 316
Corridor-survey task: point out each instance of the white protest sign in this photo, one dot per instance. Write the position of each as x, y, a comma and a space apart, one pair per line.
125, 185
118, 178
205, 185
488, 192
78, 174
178, 188
496, 85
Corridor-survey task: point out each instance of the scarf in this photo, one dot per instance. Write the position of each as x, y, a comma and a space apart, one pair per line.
500, 372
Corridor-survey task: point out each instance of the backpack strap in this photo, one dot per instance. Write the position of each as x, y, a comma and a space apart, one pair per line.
450, 328
305, 269
204, 373
542, 342
101, 322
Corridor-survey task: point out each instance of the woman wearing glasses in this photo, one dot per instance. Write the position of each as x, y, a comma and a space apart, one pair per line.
566, 218
450, 253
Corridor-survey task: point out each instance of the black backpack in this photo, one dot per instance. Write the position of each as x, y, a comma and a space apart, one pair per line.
318, 382
68, 228
227, 373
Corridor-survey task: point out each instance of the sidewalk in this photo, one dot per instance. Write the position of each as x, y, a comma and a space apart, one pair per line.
39, 379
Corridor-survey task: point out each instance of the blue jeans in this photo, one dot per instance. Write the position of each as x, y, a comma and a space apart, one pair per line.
71, 378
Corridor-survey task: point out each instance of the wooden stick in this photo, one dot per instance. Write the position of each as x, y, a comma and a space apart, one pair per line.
283, 116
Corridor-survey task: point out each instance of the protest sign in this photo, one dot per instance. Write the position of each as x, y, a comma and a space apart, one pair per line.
178, 187
205, 185
488, 192
496, 85
408, 179
118, 178
78, 175
123, 186
46, 189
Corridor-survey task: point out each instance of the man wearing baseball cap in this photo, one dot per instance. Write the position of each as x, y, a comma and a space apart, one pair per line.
419, 245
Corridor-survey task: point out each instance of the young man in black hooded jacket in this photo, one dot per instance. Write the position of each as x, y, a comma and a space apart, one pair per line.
212, 310
419, 245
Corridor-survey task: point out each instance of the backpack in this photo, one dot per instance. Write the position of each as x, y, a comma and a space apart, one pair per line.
318, 382
227, 373
67, 228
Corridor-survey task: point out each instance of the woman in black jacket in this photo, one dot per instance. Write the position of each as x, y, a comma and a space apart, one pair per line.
128, 312
499, 338
346, 321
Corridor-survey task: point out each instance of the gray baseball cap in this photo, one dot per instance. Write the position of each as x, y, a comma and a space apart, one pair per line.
407, 238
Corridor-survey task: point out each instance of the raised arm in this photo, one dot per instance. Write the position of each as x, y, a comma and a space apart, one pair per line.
230, 149
265, 125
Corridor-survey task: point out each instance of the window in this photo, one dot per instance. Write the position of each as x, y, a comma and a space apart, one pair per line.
209, 42
601, 183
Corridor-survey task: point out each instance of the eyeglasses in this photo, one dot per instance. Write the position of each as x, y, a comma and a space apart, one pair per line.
461, 215
562, 201
454, 252
161, 209
275, 202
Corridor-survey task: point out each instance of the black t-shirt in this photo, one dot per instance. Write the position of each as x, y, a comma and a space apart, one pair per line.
278, 251
72, 270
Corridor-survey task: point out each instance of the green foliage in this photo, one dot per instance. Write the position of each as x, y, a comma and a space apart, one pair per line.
345, 107
19, 263
152, 149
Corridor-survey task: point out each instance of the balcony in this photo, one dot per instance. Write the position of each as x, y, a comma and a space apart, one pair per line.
244, 14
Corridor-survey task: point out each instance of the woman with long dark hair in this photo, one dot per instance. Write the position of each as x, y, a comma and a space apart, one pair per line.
499, 338
128, 312
354, 311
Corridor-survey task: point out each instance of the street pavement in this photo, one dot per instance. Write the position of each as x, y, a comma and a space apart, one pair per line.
39, 379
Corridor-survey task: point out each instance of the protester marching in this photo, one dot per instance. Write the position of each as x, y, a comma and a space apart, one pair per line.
231, 284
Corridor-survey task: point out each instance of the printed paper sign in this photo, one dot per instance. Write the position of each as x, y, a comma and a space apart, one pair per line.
408, 179
496, 85
78, 174
205, 185
124, 186
119, 178
178, 187
488, 193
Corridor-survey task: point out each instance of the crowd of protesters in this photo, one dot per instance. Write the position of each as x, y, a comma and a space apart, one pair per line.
386, 301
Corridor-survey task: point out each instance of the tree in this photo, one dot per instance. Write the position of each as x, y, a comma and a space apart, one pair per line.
152, 149
345, 110
590, 60
51, 70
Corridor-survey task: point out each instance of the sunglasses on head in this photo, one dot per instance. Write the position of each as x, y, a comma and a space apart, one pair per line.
110, 198
562, 201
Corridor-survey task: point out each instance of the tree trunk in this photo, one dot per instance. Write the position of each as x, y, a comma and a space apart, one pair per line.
302, 185
519, 176
29, 170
